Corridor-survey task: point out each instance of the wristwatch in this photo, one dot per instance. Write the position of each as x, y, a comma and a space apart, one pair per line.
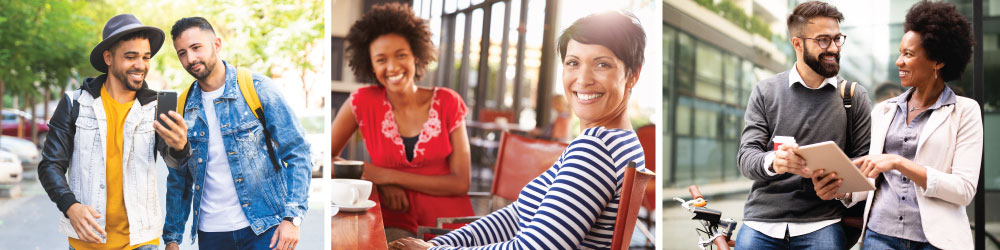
846, 196
296, 221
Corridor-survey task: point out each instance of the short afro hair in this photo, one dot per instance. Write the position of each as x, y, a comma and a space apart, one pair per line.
945, 35
382, 19
619, 31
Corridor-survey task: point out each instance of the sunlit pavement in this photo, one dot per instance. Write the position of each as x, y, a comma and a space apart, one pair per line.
30, 221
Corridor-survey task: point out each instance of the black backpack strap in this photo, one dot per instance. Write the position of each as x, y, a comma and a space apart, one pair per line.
267, 138
847, 94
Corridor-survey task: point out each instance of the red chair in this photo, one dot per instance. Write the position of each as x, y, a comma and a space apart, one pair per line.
491, 115
628, 205
519, 160
647, 138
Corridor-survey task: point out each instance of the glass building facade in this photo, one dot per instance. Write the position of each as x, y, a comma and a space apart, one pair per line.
705, 92
706, 86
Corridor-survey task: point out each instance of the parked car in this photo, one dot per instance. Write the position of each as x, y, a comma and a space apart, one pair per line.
10, 125
10, 168
23, 149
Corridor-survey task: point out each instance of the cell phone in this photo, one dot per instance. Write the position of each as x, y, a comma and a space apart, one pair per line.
165, 102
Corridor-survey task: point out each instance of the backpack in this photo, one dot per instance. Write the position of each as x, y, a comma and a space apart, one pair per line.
851, 232
244, 78
848, 98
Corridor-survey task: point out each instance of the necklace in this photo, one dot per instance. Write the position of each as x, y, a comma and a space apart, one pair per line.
916, 108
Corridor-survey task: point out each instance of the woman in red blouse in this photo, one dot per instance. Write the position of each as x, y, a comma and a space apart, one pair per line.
415, 135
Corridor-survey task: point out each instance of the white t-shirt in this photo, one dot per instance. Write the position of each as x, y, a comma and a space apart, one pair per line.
220, 205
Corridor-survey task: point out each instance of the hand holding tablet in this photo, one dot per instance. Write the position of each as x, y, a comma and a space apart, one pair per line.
828, 157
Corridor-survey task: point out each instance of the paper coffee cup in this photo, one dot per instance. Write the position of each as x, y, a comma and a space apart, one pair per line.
779, 140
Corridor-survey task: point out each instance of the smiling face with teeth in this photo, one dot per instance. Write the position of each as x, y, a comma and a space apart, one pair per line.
393, 62
128, 62
915, 69
596, 84
824, 62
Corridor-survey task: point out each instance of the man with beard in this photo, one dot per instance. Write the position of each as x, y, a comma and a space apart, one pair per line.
244, 195
783, 210
104, 133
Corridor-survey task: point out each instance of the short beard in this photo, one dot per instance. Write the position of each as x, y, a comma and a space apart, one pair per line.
208, 67
122, 76
824, 69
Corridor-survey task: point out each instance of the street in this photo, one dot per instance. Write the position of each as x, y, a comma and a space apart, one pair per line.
30, 220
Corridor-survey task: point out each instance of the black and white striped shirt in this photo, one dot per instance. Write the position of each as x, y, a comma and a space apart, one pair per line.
572, 205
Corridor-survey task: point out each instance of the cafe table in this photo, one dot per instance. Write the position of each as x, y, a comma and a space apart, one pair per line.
359, 230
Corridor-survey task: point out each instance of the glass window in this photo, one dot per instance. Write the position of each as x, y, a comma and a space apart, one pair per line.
709, 71
669, 42
731, 71
459, 45
706, 122
683, 173
685, 77
683, 120
707, 160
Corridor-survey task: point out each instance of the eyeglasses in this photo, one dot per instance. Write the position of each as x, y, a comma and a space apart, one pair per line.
824, 41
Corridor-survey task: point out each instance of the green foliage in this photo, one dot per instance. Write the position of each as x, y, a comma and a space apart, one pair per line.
736, 15
265, 35
42, 44
48, 42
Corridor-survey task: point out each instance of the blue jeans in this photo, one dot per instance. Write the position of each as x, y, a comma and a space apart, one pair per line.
144, 247
235, 240
875, 240
830, 237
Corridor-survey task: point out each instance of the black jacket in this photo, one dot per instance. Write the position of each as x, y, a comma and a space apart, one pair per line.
58, 149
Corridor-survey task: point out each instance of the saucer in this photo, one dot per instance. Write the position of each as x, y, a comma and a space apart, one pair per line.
334, 209
360, 207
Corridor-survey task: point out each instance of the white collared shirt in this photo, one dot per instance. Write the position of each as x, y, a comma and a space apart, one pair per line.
777, 229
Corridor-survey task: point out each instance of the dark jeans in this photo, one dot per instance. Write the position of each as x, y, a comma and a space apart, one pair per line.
235, 240
830, 237
879, 241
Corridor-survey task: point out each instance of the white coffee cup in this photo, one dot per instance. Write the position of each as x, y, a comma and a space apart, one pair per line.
779, 140
349, 192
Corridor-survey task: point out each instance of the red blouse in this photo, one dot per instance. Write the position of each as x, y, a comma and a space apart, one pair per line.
430, 157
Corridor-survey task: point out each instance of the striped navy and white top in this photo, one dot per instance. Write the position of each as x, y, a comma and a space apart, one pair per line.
572, 205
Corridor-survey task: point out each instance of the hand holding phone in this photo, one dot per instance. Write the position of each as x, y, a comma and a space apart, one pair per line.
170, 125
165, 102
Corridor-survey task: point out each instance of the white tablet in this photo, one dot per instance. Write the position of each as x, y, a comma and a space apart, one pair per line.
826, 155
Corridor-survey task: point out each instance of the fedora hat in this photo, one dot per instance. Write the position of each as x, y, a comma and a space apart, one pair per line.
117, 27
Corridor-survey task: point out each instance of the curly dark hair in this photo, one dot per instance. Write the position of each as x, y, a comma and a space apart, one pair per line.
382, 19
618, 31
945, 35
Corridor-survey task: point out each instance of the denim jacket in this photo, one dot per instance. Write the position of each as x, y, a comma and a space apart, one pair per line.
267, 195
74, 170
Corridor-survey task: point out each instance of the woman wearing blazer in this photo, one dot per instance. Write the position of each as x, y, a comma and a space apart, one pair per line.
926, 144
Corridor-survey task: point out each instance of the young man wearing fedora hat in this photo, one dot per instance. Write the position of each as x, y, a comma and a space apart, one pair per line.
104, 133
245, 192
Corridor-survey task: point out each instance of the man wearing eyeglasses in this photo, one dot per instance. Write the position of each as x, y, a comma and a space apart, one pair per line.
783, 210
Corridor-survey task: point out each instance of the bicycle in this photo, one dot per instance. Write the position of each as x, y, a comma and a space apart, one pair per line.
717, 230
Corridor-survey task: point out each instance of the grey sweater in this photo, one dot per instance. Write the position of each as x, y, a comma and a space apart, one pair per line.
811, 116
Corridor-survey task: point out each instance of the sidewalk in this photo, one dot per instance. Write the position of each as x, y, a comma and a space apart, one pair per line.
30, 220
678, 228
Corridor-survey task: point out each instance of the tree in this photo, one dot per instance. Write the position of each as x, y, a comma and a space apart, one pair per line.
42, 44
